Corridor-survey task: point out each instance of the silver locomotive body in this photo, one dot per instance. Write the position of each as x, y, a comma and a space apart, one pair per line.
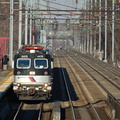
32, 75
32, 87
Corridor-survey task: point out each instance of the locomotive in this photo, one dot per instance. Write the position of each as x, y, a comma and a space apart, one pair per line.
33, 73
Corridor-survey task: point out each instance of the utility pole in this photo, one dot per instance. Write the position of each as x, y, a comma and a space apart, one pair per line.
85, 40
91, 31
88, 30
95, 6
82, 42
85, 44
30, 35
113, 32
105, 60
88, 39
20, 24
30, 26
99, 26
26, 23
11, 32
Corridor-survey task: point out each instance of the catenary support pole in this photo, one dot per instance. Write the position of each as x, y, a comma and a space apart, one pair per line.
26, 23
11, 33
91, 30
99, 26
105, 60
20, 24
95, 6
113, 32
30, 35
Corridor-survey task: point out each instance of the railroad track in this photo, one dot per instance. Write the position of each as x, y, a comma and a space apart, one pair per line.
102, 76
70, 109
108, 69
28, 112
36, 111
105, 78
98, 63
68, 94
75, 109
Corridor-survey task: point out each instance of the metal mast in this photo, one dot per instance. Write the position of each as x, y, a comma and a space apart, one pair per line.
30, 26
99, 26
11, 32
113, 32
105, 60
95, 22
88, 29
91, 30
20, 24
26, 23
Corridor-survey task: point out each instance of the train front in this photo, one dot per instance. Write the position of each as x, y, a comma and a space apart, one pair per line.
32, 74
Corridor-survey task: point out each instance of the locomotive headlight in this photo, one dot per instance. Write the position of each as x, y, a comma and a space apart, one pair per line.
37, 88
15, 87
49, 88
18, 84
32, 73
45, 84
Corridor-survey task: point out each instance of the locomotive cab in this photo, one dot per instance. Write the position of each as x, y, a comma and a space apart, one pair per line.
32, 74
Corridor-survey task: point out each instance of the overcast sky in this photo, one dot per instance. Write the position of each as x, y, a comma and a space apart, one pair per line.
58, 4
61, 4
66, 3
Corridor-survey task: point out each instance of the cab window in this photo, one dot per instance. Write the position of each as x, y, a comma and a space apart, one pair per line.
41, 63
23, 63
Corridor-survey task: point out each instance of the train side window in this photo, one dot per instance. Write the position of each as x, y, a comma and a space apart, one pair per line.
40, 63
23, 63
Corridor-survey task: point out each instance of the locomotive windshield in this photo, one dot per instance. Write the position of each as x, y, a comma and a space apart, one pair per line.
23, 63
41, 63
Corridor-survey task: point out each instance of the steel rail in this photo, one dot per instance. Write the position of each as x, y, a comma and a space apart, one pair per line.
114, 84
73, 112
68, 93
18, 111
90, 102
103, 75
115, 71
40, 112
114, 99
